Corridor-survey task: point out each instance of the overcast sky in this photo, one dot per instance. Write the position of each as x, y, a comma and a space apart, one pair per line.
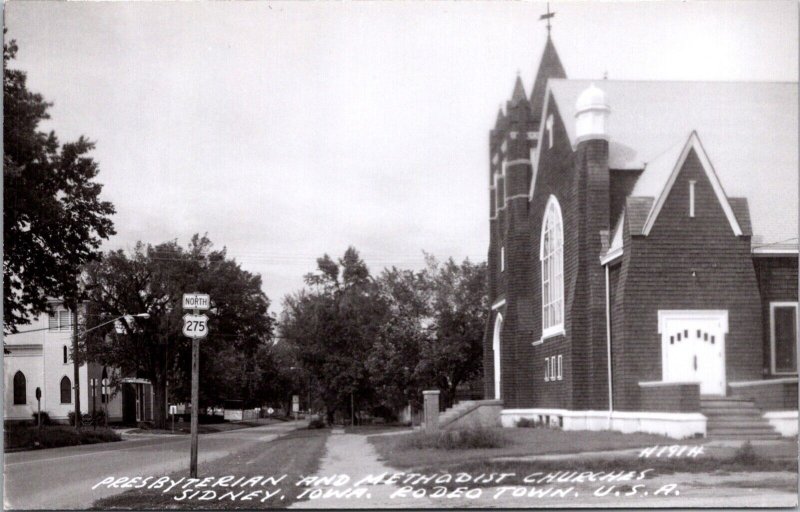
287, 130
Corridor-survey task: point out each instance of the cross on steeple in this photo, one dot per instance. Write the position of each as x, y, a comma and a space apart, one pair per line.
547, 17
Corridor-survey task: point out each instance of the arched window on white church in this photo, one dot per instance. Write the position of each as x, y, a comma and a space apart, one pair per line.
551, 254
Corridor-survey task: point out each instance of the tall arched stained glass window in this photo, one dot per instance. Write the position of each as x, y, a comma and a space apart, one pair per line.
551, 254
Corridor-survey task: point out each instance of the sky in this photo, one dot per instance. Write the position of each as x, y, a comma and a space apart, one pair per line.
290, 130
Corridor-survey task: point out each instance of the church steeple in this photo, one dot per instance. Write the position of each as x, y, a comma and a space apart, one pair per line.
519, 92
549, 67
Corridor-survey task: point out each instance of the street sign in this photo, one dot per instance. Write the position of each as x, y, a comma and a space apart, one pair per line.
295, 403
196, 301
173, 409
195, 326
38, 393
270, 411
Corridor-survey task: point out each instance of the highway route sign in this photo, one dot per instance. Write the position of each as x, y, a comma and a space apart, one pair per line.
195, 326
196, 301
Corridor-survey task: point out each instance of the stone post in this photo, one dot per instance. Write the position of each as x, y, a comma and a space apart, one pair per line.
431, 410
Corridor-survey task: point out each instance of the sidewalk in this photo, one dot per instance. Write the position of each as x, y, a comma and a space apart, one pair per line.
354, 456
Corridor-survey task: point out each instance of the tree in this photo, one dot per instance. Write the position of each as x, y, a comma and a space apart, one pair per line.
152, 279
333, 327
53, 218
433, 336
454, 355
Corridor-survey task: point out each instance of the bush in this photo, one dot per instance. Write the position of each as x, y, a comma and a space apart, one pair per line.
746, 455
526, 423
466, 439
45, 419
316, 423
55, 436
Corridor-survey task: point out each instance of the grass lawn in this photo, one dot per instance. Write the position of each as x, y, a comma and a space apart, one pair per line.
296, 454
52, 436
375, 429
414, 453
402, 451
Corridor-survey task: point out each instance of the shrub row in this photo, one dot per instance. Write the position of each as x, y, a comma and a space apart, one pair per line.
476, 437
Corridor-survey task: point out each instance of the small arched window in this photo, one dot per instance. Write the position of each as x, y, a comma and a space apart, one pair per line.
66, 355
551, 254
103, 389
66, 390
20, 391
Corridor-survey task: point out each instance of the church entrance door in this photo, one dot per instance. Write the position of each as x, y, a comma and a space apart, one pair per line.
693, 348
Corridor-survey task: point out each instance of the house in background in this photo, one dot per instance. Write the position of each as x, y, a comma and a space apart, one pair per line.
40, 356
643, 259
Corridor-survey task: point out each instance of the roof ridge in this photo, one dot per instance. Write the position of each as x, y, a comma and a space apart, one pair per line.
601, 81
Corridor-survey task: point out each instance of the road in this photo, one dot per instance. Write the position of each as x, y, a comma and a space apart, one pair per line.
62, 478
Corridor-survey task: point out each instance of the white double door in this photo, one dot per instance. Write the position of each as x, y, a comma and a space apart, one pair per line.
693, 348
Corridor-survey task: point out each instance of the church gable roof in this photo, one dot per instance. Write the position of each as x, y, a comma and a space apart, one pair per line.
652, 179
749, 132
549, 67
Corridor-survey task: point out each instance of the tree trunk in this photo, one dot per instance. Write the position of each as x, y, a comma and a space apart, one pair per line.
159, 404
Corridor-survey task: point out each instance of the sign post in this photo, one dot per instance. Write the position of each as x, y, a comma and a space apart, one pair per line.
39, 409
104, 400
195, 326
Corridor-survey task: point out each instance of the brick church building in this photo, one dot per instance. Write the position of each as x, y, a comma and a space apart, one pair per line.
644, 255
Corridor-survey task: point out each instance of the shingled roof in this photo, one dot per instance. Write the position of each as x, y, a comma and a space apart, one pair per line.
748, 129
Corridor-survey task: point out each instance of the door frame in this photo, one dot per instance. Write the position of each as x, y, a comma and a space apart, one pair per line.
720, 315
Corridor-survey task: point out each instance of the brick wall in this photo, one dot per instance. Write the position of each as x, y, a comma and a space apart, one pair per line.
670, 398
780, 396
777, 282
685, 263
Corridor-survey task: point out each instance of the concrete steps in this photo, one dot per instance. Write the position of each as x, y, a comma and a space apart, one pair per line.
735, 418
455, 412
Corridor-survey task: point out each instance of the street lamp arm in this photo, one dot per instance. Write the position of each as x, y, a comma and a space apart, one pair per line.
140, 315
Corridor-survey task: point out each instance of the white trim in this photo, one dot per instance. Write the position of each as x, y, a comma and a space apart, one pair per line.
772, 306
502, 258
611, 256
518, 161
661, 383
693, 143
560, 367
785, 422
694, 314
500, 303
673, 424
498, 332
692, 183
764, 382
547, 369
548, 335
518, 196
608, 344
771, 251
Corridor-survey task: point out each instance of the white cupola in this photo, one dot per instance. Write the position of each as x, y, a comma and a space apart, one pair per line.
591, 115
